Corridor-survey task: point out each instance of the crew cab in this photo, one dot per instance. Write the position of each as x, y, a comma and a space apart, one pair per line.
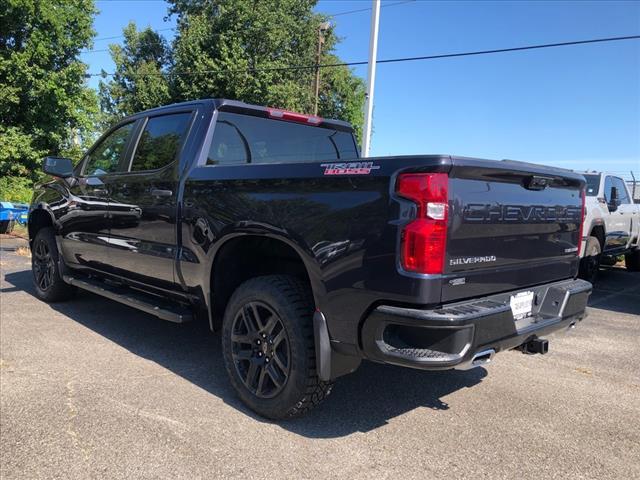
612, 225
268, 226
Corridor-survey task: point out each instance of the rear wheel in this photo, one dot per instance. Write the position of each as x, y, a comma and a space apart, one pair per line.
268, 347
590, 263
632, 260
46, 273
5, 226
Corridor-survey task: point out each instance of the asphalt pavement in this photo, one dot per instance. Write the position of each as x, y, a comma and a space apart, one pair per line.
93, 389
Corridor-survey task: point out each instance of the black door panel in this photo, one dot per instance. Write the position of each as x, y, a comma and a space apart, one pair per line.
144, 226
86, 221
143, 236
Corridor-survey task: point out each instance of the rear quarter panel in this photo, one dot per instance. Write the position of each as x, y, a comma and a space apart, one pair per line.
342, 226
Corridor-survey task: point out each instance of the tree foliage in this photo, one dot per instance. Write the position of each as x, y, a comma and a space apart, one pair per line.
16, 189
139, 81
45, 104
238, 49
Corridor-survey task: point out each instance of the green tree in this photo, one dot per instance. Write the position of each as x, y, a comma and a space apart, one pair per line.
139, 81
243, 49
238, 49
342, 94
45, 105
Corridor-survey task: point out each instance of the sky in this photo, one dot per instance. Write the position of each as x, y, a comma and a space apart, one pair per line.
575, 107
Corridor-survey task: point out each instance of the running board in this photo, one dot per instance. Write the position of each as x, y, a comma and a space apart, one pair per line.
132, 298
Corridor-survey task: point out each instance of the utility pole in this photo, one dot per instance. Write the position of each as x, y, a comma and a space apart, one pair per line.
322, 29
371, 77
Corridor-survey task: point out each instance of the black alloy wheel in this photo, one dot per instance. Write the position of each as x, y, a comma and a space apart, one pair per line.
268, 346
44, 268
261, 349
47, 279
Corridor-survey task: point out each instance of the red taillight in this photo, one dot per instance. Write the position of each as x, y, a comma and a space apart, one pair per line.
582, 216
294, 117
424, 239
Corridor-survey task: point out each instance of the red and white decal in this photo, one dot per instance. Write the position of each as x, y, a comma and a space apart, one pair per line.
349, 168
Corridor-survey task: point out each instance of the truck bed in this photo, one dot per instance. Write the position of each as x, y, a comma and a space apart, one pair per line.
502, 235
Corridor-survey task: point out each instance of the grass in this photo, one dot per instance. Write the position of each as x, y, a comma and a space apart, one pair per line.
20, 231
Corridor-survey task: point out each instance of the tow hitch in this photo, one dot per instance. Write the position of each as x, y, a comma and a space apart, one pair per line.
537, 345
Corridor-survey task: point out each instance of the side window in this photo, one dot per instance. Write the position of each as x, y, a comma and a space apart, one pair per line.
160, 141
608, 183
228, 146
622, 190
106, 156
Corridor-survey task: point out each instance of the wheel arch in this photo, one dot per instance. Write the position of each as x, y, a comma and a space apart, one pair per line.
244, 256
598, 231
39, 218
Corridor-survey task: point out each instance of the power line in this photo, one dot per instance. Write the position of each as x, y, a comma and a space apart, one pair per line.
369, 8
339, 14
391, 60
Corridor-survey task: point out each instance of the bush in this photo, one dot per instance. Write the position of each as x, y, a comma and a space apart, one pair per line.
16, 189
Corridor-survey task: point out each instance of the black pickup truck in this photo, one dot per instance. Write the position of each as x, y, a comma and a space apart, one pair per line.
267, 225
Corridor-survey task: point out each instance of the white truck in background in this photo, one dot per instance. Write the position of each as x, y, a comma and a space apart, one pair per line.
611, 225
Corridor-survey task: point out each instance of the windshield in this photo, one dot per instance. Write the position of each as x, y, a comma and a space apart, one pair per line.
593, 183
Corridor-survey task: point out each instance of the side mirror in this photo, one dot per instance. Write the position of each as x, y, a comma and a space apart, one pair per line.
58, 167
613, 201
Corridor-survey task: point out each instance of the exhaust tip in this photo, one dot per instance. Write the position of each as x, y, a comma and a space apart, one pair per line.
482, 358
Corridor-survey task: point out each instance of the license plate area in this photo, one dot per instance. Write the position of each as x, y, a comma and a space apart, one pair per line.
521, 305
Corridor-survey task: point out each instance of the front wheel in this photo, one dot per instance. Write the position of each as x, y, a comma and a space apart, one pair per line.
590, 263
47, 280
268, 347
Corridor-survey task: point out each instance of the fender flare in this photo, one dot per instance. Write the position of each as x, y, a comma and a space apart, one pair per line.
311, 266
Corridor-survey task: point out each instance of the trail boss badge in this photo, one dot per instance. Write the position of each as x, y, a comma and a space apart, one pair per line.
349, 168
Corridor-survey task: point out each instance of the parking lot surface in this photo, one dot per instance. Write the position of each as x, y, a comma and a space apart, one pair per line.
93, 389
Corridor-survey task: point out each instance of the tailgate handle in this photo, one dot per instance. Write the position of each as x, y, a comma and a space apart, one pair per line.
535, 182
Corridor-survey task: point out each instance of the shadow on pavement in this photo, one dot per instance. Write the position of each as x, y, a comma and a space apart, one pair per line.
360, 402
617, 290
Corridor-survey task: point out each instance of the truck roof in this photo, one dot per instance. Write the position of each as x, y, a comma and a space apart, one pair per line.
236, 106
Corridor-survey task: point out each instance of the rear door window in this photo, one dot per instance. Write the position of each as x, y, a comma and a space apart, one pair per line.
160, 141
623, 198
241, 139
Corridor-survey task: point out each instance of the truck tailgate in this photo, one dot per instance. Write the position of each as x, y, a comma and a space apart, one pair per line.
512, 225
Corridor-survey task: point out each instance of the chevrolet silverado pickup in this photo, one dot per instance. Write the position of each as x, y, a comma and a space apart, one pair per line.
268, 226
612, 225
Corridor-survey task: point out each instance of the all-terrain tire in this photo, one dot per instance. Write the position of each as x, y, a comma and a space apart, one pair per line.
47, 280
632, 260
289, 301
590, 263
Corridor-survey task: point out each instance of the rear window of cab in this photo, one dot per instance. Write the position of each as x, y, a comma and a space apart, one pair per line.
241, 139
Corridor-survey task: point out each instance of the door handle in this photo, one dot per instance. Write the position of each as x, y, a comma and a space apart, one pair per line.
161, 193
